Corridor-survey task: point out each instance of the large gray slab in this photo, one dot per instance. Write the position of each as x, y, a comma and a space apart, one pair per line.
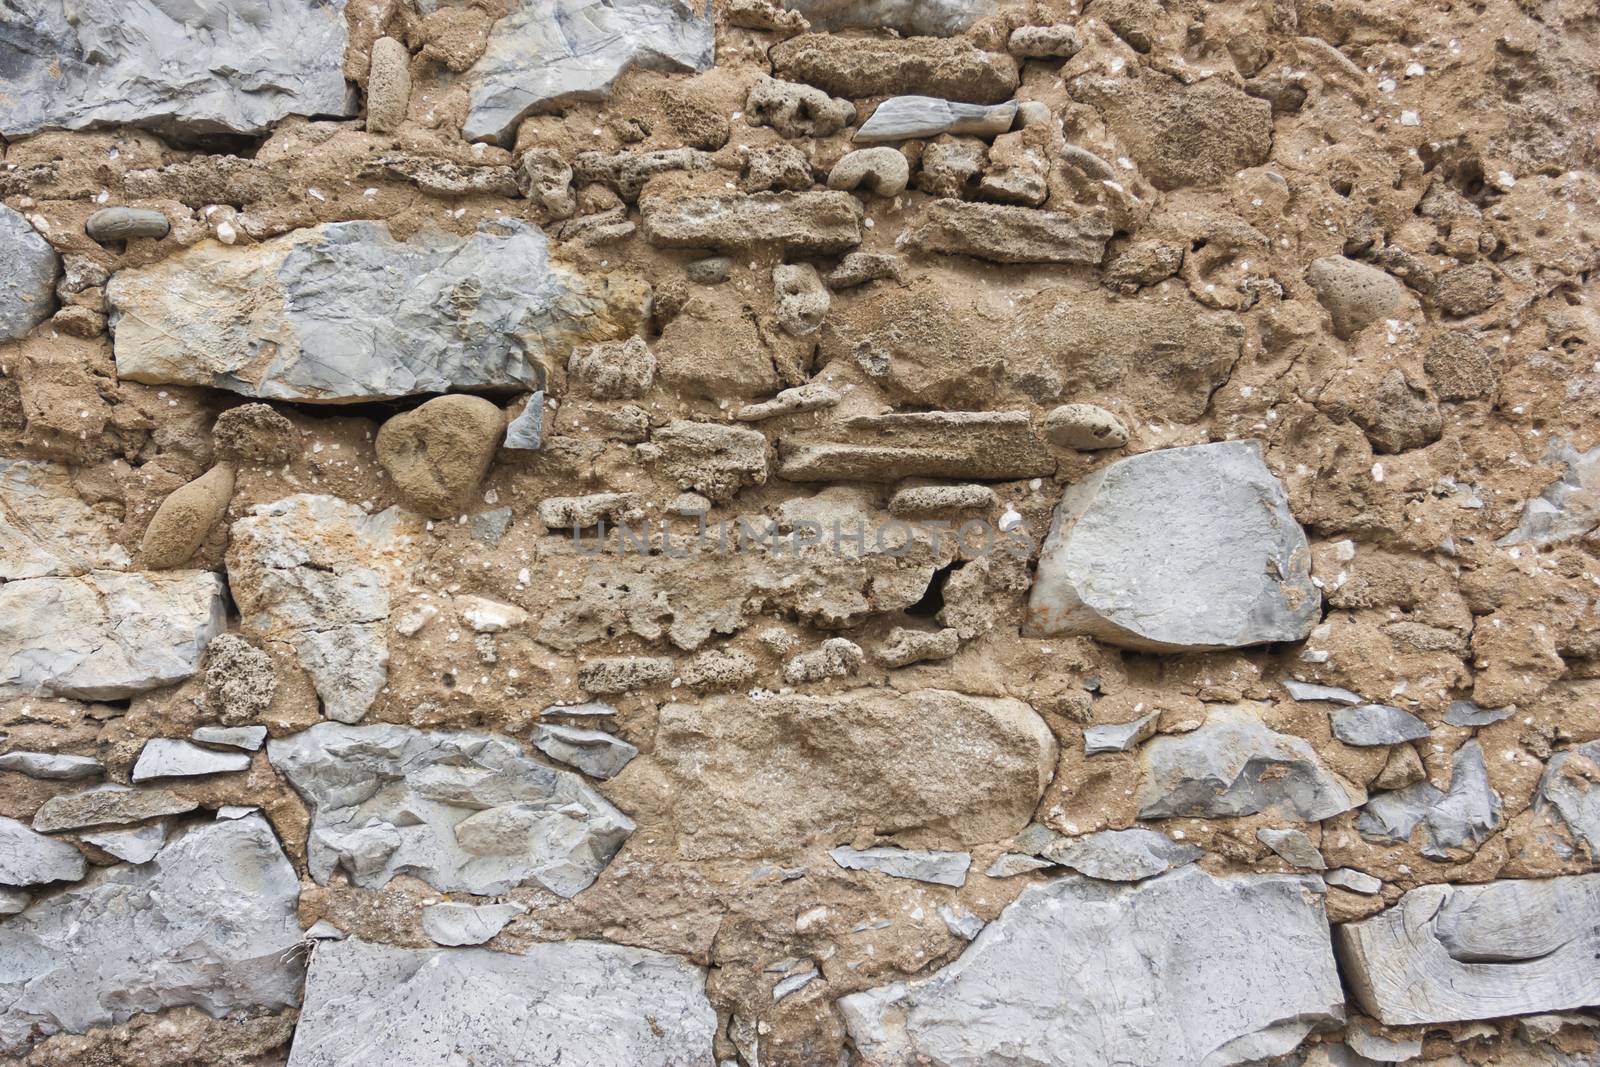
550, 52
29, 858
465, 812
576, 1002
1182, 549
1185, 968
209, 922
229, 66
46, 529
1452, 952
346, 312
28, 285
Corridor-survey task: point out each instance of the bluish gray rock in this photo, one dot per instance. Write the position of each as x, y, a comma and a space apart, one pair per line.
575, 1002
1293, 847
30, 858
248, 738
143, 938
1311, 691
551, 52
185, 70
904, 118
345, 312
526, 431
1353, 880
1121, 855
168, 757
1372, 725
465, 812
1234, 765
1567, 793
1569, 507
1466, 713
453, 924
1182, 549
1455, 952
1461, 818
939, 868
138, 845
594, 752
53, 766
1185, 968
28, 285
1120, 736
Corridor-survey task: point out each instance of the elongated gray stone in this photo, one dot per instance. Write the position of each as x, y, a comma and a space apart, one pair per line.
1377, 724
108, 805
345, 312
594, 752
550, 52
465, 812
1119, 736
1294, 847
1010, 864
1183, 549
28, 285
30, 858
1466, 713
138, 845
1234, 765
1567, 791
167, 757
576, 1002
106, 635
248, 738
123, 223
453, 925
53, 766
1454, 952
1185, 968
939, 868
209, 922
1353, 880
1311, 691
913, 18
223, 68
902, 118
1121, 855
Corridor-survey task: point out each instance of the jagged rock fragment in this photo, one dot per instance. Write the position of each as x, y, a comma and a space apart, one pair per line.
1119, 737
185, 518
813, 396
1233, 765
1377, 724
165, 757
905, 118
802, 300
904, 647
1567, 789
938, 868
138, 845
811, 223
1008, 234
254, 434
1466, 713
27, 292
51, 766
46, 530
1569, 507
453, 924
1121, 566
465, 812
29, 858
1311, 691
711, 458
796, 110
1293, 847
1184, 968
1461, 818
108, 805
1121, 855
838, 657
594, 752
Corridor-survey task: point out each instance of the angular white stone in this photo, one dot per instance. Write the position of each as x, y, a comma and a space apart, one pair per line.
51, 765
939, 868
1353, 880
106, 635
167, 757
465, 812
551, 52
452, 924
28, 858
1294, 847
1183, 549
186, 70
1181, 969
209, 922
569, 1003
902, 118
131, 846
594, 752
27, 288
1311, 691
1455, 952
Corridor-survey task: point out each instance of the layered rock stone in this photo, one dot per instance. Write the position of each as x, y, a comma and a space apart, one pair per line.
29, 858
106, 635
465, 812
1007, 234
1452, 952
144, 938
46, 530
108, 805
1121, 855
27, 292
545, 53
1184, 968
850, 762
913, 18
880, 66
345, 312
902, 118
176, 70
371, 1003
1177, 550
940, 444
819, 223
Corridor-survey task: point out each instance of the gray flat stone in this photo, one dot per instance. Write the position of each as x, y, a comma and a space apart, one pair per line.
465, 812
12, 901
1461, 818
584, 710
1234, 765
345, 312
940, 868
546, 53
106, 635
452, 924
248, 738
1182, 549
179, 70
1569, 507
1372, 725
1454, 952
131, 846
902, 118
29, 858
374, 1004
1311, 691
525, 433
1011, 864
125, 223
28, 288
108, 805
1353, 880
1567, 793
1119, 737
1121, 855
594, 752
1466, 713
53, 766
1392, 816
1185, 968
166, 757
1380, 1049
1293, 847
144, 938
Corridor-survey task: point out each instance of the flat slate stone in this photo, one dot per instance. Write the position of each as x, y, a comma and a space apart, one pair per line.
594, 752
144, 938
345, 312
108, 805
1567, 792
1311, 691
223, 68
53, 766
575, 1002
167, 757
1185, 968
138, 845
453, 925
1466, 713
1234, 765
1120, 736
106, 635
939, 868
902, 118
1461, 818
1121, 855
28, 286
30, 858
546, 53
1294, 847
1372, 725
1453, 952
465, 812
1178, 550
248, 738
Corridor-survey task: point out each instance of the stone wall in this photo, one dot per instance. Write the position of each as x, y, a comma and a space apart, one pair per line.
799, 533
